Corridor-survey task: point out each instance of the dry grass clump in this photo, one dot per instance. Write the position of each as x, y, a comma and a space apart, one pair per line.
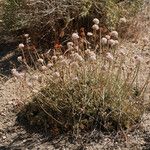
91, 85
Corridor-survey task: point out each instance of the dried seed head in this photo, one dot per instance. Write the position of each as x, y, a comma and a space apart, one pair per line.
89, 34
40, 60
26, 35
96, 21
75, 36
95, 27
114, 34
104, 41
111, 42
107, 37
54, 58
70, 45
20, 59
116, 42
49, 65
21, 45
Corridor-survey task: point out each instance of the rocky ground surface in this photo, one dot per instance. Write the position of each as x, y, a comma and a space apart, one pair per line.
15, 137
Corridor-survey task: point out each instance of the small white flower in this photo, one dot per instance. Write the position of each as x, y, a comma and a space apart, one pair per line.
109, 56
107, 37
123, 20
70, 45
26, 35
92, 58
21, 45
95, 27
116, 42
75, 36
114, 34
54, 58
96, 21
20, 58
17, 74
111, 42
49, 65
40, 60
104, 41
89, 34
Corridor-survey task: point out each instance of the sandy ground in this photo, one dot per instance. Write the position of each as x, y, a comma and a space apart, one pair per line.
15, 137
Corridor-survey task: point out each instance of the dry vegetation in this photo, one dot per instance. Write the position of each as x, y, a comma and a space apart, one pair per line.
83, 79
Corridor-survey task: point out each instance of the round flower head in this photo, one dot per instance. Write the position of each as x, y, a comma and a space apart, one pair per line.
20, 59
109, 56
122, 20
40, 60
92, 58
49, 65
75, 36
116, 42
17, 74
89, 34
54, 58
107, 37
70, 45
104, 41
26, 35
95, 27
114, 34
111, 42
21, 45
96, 21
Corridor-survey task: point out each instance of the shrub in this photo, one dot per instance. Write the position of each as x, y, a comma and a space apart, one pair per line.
45, 19
89, 86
